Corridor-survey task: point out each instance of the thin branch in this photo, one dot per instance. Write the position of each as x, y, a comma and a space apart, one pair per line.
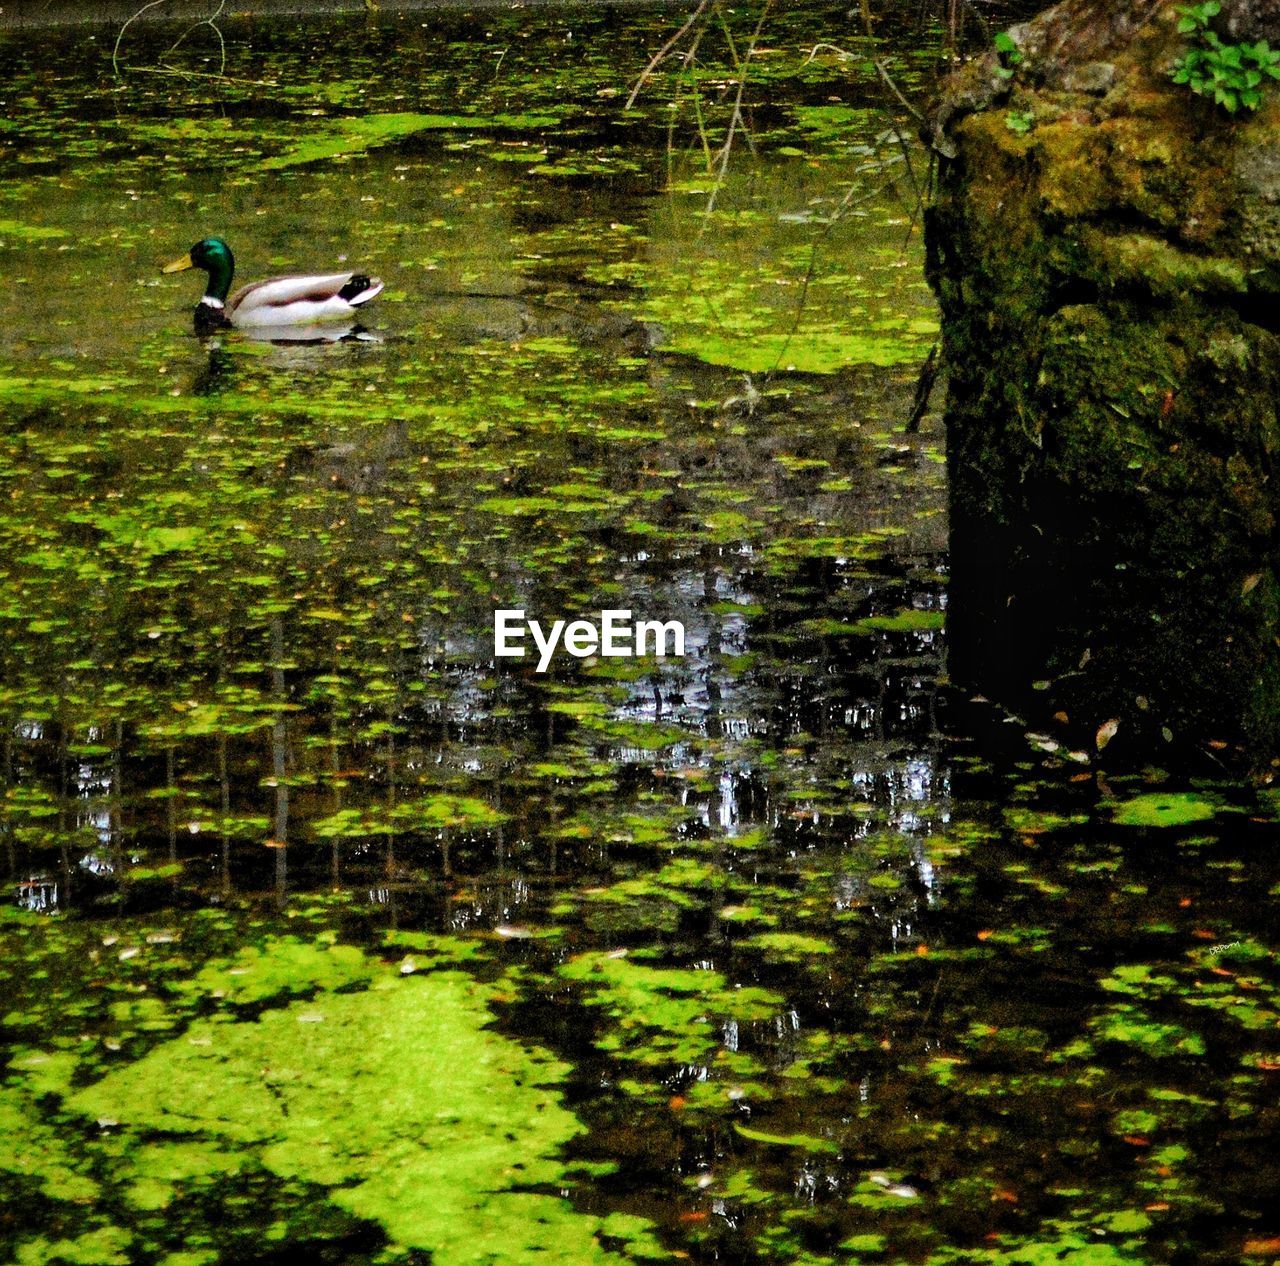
834, 48
661, 55
202, 74
736, 118
210, 21
700, 121
897, 92
115, 52
845, 203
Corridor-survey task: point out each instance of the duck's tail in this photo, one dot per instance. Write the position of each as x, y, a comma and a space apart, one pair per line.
360, 289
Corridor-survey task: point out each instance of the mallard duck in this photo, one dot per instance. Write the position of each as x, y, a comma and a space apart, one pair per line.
275, 302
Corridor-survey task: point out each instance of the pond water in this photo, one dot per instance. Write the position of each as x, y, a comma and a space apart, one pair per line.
331, 936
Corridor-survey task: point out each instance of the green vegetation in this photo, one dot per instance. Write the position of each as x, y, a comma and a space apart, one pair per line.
1009, 55
1234, 76
298, 1083
1166, 809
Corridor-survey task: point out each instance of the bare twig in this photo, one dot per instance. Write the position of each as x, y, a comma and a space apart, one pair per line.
661, 55
702, 125
924, 390
736, 119
211, 21
129, 21
202, 74
845, 203
897, 92
825, 47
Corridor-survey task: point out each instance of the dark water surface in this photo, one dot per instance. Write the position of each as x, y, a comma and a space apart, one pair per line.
332, 937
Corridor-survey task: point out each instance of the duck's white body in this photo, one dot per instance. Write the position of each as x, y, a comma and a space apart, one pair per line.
281, 301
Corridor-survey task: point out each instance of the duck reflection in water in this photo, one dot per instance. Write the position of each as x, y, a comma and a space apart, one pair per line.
298, 349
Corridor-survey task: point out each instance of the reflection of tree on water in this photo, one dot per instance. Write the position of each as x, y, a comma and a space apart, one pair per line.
209, 787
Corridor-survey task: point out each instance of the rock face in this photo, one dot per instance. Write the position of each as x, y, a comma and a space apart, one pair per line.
1106, 249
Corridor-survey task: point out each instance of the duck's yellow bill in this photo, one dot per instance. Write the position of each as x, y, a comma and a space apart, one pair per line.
179, 265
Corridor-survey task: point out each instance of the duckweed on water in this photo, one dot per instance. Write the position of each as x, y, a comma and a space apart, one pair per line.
312, 1092
353, 136
1166, 809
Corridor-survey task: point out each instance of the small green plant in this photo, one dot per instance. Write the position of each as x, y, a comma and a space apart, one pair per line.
1010, 56
1019, 122
1232, 74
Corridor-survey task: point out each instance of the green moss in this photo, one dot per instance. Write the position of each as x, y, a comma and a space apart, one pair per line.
1137, 259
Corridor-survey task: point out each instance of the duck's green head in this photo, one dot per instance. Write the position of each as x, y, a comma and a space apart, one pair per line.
214, 256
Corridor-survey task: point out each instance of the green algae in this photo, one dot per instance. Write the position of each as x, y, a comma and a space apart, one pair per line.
105, 1246
790, 945
357, 135
29, 232
664, 1015
805, 1141
315, 1091
277, 968
1166, 809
